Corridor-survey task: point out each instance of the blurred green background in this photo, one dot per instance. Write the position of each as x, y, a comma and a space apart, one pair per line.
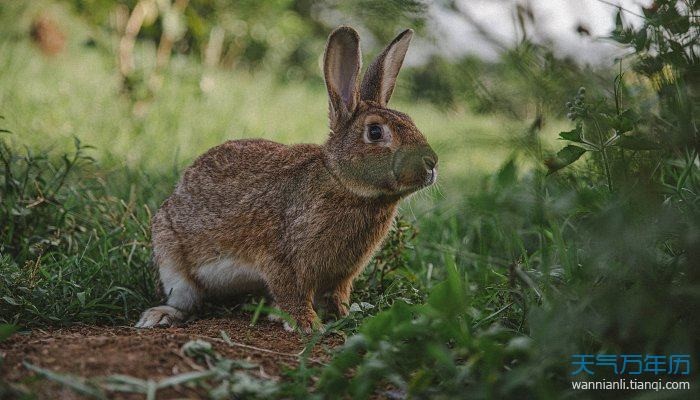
263, 81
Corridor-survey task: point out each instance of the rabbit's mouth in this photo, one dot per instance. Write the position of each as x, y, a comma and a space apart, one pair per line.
414, 168
414, 172
412, 187
432, 177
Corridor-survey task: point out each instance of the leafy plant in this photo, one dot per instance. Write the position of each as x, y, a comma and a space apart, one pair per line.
388, 278
665, 55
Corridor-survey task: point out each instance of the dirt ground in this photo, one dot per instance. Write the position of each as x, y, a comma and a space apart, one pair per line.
93, 351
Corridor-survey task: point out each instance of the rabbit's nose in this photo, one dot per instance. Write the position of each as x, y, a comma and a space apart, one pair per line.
430, 161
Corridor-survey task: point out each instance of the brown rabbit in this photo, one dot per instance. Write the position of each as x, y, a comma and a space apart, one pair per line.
299, 221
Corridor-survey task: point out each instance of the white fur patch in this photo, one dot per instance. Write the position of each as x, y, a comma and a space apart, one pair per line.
227, 276
181, 293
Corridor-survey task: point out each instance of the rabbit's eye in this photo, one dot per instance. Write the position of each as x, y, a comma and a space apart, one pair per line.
374, 133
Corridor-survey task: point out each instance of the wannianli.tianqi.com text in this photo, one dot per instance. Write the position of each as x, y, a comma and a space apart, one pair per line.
630, 384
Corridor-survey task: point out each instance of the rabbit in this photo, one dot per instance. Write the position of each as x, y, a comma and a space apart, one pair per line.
301, 221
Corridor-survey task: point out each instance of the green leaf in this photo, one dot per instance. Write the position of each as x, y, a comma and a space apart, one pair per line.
6, 330
625, 36
449, 296
675, 22
677, 55
640, 40
185, 378
10, 300
572, 135
564, 157
618, 19
648, 12
508, 174
621, 34
81, 298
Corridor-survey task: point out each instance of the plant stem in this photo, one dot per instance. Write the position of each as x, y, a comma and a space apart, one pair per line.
606, 165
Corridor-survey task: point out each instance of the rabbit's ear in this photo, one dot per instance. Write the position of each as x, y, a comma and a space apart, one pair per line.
380, 78
341, 67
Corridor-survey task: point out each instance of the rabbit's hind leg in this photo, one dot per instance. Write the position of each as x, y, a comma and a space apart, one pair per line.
182, 293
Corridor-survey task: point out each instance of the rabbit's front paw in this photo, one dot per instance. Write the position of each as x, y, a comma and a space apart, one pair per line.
315, 326
307, 323
160, 316
338, 308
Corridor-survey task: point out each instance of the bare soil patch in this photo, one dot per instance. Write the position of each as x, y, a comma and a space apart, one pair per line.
95, 351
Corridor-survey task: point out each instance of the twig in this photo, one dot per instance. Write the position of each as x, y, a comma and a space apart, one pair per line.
493, 315
526, 278
621, 8
260, 349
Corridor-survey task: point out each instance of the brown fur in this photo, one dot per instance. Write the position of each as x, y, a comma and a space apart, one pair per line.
307, 217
